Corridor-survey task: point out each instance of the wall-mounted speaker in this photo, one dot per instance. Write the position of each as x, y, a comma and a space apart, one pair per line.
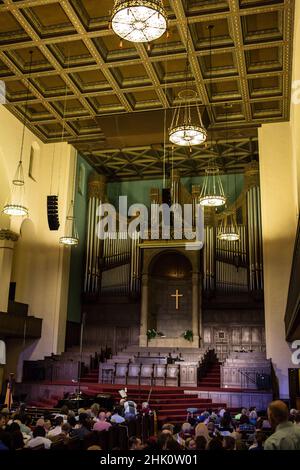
166, 196
52, 212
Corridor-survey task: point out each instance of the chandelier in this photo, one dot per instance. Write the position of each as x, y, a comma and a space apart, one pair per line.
71, 237
186, 131
139, 20
212, 193
229, 232
16, 205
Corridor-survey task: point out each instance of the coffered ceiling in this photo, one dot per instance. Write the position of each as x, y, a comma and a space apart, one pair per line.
84, 81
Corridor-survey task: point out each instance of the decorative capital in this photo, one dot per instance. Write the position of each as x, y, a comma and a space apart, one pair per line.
6, 234
97, 186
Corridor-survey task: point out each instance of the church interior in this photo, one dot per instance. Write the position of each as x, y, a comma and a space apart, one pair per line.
125, 115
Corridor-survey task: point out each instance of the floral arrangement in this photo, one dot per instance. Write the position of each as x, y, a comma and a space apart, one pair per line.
152, 333
188, 335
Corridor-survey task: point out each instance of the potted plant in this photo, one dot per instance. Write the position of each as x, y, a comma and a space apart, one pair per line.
188, 335
151, 333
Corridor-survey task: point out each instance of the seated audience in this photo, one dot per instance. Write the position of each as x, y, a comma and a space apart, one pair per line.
39, 438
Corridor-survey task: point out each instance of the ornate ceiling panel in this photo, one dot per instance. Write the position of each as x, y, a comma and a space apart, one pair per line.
80, 73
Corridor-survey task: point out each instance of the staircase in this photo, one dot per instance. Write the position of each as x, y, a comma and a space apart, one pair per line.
212, 377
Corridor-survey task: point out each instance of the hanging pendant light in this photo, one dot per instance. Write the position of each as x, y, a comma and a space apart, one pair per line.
139, 20
71, 237
187, 127
212, 193
16, 206
229, 232
186, 131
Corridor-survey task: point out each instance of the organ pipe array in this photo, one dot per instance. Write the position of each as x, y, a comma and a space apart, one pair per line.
96, 195
113, 265
254, 229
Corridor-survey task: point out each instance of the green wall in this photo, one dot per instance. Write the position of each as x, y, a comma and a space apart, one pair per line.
78, 253
139, 191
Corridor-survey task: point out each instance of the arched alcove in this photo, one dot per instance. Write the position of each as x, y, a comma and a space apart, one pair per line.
170, 289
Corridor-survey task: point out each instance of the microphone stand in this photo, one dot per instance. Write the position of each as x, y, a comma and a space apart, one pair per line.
80, 358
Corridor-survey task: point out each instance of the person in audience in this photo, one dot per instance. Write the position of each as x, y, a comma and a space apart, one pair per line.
65, 433
17, 441
184, 434
102, 424
168, 428
64, 411
3, 421
134, 443
201, 442
286, 435
259, 441
190, 443
39, 438
229, 443
215, 444
84, 427
130, 410
226, 425
116, 418
202, 430
57, 427
72, 422
253, 415
95, 409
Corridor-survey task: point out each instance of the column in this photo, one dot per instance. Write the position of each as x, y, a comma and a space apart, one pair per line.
144, 311
7, 241
279, 203
195, 308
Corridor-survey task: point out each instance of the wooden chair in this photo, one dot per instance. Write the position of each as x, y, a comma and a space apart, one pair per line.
121, 374
159, 374
133, 377
146, 376
172, 377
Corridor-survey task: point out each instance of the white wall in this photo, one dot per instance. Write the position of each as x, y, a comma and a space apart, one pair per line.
40, 264
279, 154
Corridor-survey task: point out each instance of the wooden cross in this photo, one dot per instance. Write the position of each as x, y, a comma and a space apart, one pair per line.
177, 296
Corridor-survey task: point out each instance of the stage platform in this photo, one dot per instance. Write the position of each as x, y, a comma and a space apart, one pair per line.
171, 403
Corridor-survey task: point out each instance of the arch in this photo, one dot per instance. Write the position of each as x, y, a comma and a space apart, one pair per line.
171, 265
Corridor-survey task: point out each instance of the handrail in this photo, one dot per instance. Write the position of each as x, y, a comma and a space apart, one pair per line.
247, 376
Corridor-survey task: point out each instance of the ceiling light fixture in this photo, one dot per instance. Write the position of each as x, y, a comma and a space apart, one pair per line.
139, 20
184, 130
16, 205
187, 128
212, 192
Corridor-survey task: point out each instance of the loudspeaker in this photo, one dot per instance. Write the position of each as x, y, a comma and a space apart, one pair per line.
263, 381
294, 386
166, 196
52, 212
